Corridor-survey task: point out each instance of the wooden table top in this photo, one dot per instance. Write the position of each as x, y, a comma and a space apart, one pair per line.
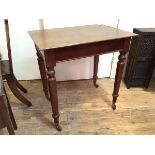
70, 36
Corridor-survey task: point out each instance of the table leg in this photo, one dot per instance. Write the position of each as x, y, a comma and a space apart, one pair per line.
43, 75
50, 64
54, 97
95, 77
119, 72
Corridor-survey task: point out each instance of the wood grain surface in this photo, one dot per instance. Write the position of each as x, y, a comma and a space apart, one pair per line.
87, 110
69, 36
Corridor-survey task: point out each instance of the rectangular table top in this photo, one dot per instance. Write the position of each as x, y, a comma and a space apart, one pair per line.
70, 36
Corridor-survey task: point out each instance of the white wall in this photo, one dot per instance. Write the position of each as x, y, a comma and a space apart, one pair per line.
24, 15
25, 60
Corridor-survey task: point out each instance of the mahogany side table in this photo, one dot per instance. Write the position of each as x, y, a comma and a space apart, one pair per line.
63, 44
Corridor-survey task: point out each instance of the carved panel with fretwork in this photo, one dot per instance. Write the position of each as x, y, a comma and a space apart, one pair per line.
141, 60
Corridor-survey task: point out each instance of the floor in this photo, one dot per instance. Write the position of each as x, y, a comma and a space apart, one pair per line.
86, 110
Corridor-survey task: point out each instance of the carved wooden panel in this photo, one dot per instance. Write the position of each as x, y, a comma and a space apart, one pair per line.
141, 60
147, 46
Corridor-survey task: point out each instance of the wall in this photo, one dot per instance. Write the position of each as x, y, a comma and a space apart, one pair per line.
67, 13
23, 55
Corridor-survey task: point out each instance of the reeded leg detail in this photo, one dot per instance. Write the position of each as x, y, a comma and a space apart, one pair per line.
95, 77
118, 77
43, 75
54, 97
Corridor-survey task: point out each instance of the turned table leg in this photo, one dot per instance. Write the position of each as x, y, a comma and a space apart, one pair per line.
50, 64
95, 77
118, 77
43, 74
54, 97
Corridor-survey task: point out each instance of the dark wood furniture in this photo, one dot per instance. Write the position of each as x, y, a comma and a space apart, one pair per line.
63, 44
141, 60
6, 115
7, 71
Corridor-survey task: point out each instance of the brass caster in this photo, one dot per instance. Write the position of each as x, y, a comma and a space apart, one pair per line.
58, 127
113, 106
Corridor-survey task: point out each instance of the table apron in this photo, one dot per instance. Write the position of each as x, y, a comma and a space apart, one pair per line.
86, 50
